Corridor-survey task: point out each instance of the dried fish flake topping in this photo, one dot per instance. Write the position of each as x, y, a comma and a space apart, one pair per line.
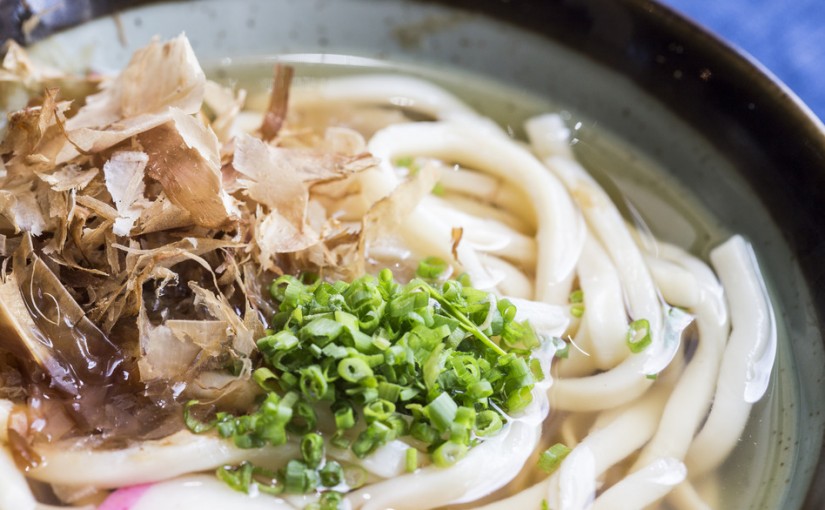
149, 220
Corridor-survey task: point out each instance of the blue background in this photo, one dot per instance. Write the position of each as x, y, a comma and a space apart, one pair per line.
786, 36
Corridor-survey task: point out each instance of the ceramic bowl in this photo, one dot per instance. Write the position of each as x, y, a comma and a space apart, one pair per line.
728, 134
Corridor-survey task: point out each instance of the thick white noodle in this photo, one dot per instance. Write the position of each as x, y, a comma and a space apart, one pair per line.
607, 446
470, 205
747, 359
677, 285
485, 234
548, 320
617, 386
685, 497
14, 491
605, 220
486, 188
399, 91
549, 136
182, 453
151, 461
579, 361
607, 225
423, 231
513, 282
604, 314
643, 487
5, 410
560, 227
691, 397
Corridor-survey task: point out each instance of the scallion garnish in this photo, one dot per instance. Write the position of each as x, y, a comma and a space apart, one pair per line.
411, 460
330, 500
192, 423
441, 365
638, 335
449, 453
577, 303
431, 268
245, 475
312, 449
331, 474
551, 458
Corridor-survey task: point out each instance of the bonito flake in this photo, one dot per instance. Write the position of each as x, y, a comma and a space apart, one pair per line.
155, 216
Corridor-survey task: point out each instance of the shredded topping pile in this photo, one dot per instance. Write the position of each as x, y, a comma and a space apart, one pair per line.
137, 225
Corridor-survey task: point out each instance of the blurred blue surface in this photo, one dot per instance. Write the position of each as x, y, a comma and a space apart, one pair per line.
786, 36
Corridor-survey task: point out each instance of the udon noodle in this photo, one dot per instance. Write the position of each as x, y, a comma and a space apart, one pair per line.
522, 218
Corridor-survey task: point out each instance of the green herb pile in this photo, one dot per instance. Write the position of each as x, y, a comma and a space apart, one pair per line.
440, 367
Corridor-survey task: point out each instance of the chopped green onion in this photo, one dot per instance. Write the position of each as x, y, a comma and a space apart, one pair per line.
424, 432
411, 460
243, 476
520, 398
551, 458
272, 486
192, 423
354, 369
313, 383
438, 190
330, 500
398, 424
488, 423
355, 476
480, 390
299, 479
265, 379
376, 435
442, 364
321, 331
280, 341
448, 454
577, 303
312, 449
378, 410
389, 391
577, 310
638, 335
441, 411
404, 162
431, 268
535, 369
238, 478
339, 440
331, 474
303, 419
344, 418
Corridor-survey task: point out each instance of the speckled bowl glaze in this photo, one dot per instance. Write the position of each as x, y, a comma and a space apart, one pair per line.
744, 146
